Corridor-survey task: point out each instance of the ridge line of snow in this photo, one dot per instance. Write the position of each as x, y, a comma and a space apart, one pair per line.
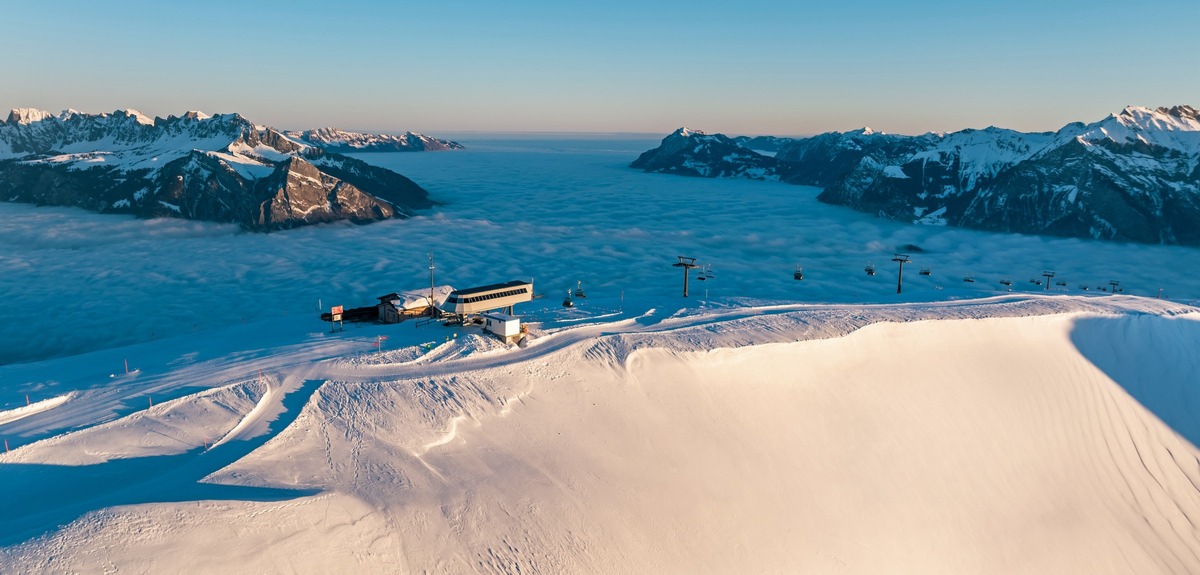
253, 416
34, 408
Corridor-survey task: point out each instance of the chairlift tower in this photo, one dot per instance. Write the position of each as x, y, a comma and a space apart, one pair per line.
902, 259
687, 264
1047, 274
1114, 284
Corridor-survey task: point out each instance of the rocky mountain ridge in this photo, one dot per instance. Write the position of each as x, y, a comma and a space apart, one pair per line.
1133, 176
218, 168
345, 142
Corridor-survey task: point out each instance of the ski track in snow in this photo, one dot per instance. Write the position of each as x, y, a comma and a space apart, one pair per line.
449, 388
685, 330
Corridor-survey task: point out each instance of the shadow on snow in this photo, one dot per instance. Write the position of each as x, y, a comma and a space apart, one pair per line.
1154, 358
44, 497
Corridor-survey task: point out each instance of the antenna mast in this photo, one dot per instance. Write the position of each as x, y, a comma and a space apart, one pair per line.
432, 311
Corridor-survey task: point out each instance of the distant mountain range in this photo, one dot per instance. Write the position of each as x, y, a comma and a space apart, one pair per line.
220, 168
343, 142
1133, 176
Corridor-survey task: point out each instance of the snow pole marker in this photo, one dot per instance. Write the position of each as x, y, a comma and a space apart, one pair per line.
151, 401
26, 399
127, 366
6, 445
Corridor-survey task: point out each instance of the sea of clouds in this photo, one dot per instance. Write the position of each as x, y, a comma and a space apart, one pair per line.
555, 209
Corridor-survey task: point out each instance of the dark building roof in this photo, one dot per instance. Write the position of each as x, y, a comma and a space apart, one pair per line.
488, 288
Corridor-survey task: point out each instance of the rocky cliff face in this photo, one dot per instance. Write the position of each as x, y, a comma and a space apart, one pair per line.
343, 142
219, 168
1133, 176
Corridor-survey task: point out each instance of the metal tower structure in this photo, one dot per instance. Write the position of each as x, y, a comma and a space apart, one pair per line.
902, 259
687, 264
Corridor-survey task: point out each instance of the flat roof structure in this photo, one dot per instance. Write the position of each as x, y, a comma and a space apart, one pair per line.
488, 297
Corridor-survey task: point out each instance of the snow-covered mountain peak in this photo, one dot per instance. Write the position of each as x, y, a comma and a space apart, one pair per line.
1174, 128
1178, 118
338, 140
197, 166
27, 116
1184, 112
686, 132
136, 115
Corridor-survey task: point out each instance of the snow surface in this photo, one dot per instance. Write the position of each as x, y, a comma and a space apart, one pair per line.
420, 298
990, 436
761, 425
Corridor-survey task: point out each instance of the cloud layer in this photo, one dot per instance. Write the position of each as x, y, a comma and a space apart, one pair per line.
555, 210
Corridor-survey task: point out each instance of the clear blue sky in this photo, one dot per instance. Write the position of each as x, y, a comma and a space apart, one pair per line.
750, 67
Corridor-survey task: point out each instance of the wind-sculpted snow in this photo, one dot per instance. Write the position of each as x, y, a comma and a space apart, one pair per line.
778, 437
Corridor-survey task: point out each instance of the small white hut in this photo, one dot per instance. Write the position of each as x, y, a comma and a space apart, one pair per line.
506, 327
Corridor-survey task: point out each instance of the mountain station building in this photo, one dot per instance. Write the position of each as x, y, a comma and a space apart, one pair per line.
489, 297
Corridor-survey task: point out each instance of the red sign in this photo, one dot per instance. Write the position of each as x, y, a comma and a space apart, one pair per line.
337, 309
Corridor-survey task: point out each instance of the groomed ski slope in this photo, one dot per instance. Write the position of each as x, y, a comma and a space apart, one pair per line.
997, 435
